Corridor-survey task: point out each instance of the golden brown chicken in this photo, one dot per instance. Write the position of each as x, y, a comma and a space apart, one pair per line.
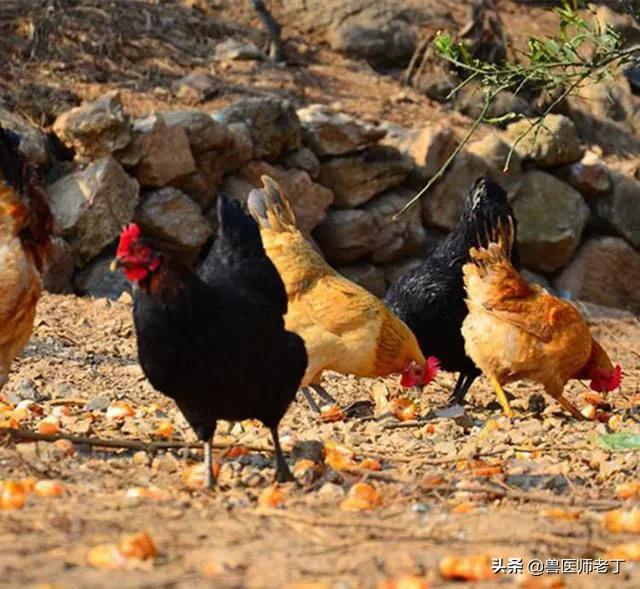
518, 331
25, 229
345, 328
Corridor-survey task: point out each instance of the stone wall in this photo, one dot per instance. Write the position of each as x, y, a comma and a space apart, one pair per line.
346, 179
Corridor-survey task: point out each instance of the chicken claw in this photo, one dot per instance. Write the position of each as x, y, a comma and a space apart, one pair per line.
283, 474
502, 398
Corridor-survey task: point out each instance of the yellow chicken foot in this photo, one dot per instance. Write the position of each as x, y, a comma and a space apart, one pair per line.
502, 398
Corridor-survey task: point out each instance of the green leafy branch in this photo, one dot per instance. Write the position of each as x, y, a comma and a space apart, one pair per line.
583, 52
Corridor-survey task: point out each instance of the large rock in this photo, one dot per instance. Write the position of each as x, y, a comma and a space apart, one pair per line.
346, 236
606, 271
380, 32
60, 266
196, 88
350, 235
389, 44
98, 280
395, 238
172, 216
367, 276
470, 101
234, 50
308, 199
33, 143
555, 142
91, 206
620, 208
212, 165
443, 204
551, 217
303, 159
96, 129
355, 179
273, 124
203, 131
590, 176
330, 133
605, 115
429, 146
165, 154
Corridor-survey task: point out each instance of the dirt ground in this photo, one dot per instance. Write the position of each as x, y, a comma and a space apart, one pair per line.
472, 484
469, 484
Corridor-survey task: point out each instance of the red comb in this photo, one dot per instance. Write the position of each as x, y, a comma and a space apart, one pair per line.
431, 368
616, 377
129, 234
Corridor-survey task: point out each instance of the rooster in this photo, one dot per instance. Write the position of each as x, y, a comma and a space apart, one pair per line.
430, 297
215, 342
518, 331
345, 328
26, 225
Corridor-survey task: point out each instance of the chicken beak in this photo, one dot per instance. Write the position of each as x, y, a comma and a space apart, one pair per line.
115, 264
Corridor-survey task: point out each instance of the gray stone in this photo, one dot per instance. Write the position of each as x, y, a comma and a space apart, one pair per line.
303, 159
328, 132
470, 101
551, 217
91, 206
203, 131
355, 179
196, 88
346, 236
233, 50
367, 276
606, 271
60, 266
170, 215
590, 176
555, 142
272, 123
98, 280
166, 155
96, 129
443, 203
620, 208
429, 146
33, 143
395, 238
389, 44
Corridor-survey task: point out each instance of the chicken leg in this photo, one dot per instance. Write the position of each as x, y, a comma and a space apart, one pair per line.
462, 388
208, 464
283, 474
321, 392
502, 398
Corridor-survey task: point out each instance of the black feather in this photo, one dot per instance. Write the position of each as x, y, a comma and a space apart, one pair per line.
217, 345
238, 253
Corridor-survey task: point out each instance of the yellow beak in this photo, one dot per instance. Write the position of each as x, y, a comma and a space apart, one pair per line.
115, 264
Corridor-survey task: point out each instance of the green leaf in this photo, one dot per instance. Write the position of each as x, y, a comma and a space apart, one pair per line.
621, 441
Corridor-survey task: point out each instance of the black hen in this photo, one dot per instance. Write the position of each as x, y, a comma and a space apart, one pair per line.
215, 342
430, 298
